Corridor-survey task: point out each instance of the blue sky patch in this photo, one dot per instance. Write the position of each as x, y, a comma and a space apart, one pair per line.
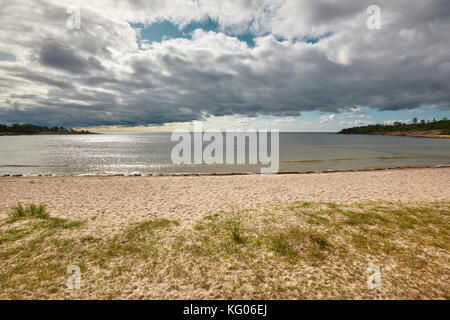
165, 30
4, 56
313, 40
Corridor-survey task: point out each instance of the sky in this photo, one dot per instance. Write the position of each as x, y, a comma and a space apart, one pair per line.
159, 65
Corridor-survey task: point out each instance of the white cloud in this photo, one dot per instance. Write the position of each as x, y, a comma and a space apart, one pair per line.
390, 122
287, 120
99, 76
327, 118
356, 123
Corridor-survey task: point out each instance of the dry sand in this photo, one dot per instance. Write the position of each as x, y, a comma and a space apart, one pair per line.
199, 256
117, 200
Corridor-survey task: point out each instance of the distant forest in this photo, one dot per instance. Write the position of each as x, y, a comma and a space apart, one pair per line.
19, 129
442, 125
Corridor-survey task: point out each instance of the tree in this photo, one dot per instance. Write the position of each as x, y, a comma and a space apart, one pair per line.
442, 125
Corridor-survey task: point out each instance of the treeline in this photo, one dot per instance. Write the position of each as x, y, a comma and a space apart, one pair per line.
17, 129
439, 125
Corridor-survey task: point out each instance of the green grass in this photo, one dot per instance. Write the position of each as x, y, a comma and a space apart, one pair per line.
300, 250
236, 232
30, 211
142, 229
294, 242
38, 250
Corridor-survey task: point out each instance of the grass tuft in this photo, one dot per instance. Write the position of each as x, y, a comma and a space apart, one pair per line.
235, 227
294, 241
280, 244
30, 211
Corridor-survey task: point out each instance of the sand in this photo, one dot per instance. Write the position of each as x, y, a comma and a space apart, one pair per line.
113, 201
126, 251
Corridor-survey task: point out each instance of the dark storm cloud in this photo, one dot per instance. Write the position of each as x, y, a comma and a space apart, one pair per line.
98, 76
54, 55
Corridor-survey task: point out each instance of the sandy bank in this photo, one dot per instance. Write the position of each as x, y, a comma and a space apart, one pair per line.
123, 199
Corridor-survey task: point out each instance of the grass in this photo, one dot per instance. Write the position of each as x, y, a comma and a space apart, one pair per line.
235, 228
30, 211
306, 250
142, 229
294, 241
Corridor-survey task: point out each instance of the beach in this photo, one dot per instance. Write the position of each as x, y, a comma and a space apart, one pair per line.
114, 200
147, 235
225, 154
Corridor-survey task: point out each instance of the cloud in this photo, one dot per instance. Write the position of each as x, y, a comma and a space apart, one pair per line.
56, 55
286, 120
390, 122
356, 123
327, 118
99, 75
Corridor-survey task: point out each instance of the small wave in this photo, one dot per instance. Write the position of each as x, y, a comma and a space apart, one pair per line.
20, 166
344, 159
29, 166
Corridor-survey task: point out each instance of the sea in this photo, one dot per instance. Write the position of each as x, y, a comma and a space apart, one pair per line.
150, 154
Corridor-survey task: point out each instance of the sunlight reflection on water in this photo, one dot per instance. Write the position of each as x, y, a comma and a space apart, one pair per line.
149, 153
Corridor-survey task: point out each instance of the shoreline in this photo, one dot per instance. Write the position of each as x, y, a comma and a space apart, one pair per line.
418, 134
404, 134
47, 134
224, 174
